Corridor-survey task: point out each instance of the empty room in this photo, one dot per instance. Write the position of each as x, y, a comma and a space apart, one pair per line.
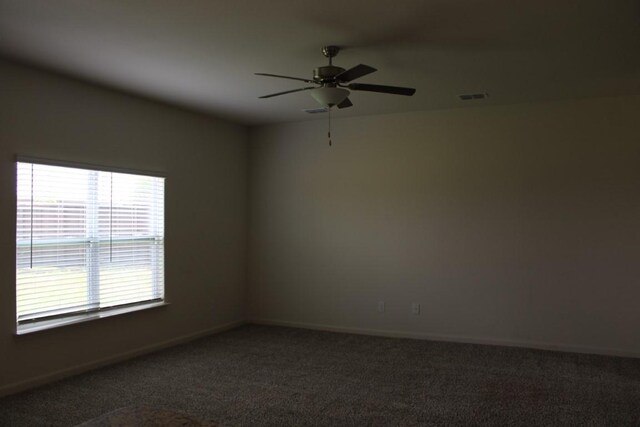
294, 213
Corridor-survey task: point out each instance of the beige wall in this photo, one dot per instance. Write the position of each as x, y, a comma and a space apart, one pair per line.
205, 161
516, 224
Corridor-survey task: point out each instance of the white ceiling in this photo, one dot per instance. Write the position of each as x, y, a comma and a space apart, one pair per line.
202, 54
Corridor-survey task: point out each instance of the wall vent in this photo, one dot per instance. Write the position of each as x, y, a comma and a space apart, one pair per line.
316, 110
472, 96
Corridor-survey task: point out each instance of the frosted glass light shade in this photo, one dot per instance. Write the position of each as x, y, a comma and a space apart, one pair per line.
329, 96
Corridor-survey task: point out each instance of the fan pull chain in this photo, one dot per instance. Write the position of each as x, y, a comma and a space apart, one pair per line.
329, 132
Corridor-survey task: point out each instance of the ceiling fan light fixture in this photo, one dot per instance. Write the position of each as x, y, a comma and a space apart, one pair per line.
329, 96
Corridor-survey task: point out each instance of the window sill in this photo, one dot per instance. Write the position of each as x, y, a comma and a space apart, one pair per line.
30, 328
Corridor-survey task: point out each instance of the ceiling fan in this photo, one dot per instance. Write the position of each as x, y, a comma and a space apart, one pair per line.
332, 83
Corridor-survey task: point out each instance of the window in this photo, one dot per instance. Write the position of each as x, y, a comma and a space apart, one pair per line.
88, 242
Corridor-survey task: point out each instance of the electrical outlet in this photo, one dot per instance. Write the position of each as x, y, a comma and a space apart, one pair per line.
380, 306
415, 308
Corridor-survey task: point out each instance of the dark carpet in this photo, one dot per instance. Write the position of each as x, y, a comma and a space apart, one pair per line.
272, 376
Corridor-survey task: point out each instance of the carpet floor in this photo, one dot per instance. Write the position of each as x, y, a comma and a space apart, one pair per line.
273, 376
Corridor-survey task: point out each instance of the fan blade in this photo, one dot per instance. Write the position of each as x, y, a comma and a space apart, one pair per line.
355, 73
395, 90
345, 104
287, 91
285, 77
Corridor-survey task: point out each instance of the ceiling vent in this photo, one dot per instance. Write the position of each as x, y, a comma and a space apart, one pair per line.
316, 110
472, 96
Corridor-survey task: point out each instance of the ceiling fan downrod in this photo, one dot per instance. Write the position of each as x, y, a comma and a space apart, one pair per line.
325, 75
330, 52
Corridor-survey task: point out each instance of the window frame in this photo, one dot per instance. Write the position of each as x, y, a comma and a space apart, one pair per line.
50, 322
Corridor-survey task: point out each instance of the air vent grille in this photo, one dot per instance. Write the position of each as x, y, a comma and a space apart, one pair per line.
316, 110
472, 96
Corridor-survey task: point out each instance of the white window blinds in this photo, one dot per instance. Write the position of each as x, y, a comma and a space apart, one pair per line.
86, 240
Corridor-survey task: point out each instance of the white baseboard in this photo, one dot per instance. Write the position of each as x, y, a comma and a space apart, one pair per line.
75, 370
450, 338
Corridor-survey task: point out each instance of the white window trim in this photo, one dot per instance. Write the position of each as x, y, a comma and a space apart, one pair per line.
52, 323
43, 325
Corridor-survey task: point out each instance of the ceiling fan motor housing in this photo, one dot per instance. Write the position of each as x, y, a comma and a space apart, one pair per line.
327, 74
